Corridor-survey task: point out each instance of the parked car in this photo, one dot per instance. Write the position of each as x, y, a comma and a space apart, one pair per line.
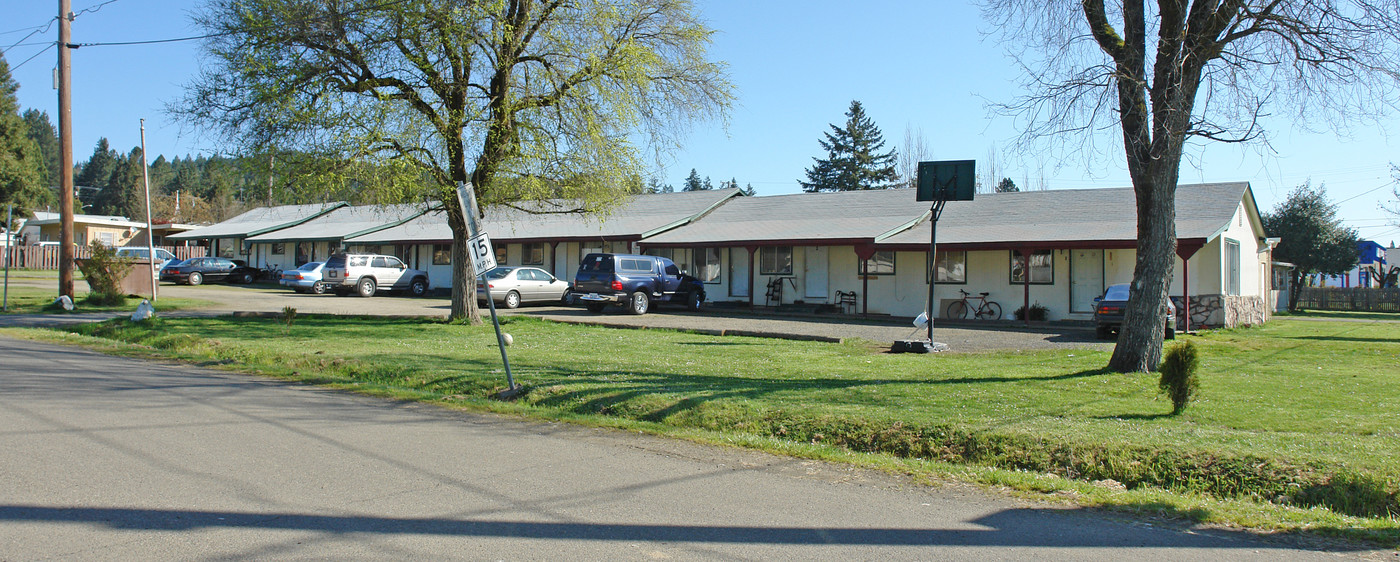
163, 257
511, 286
304, 279
1109, 310
367, 274
195, 271
634, 282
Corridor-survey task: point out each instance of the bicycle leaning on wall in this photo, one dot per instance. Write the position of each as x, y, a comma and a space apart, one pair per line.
984, 309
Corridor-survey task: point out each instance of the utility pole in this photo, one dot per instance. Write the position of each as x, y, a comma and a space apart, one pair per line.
65, 158
150, 228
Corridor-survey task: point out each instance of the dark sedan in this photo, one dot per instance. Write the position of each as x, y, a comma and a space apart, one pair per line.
195, 271
1109, 310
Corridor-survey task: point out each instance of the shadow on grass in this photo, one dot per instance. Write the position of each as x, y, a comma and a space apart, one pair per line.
1142, 417
1342, 339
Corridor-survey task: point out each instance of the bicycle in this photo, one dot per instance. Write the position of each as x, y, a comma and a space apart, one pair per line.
986, 309
270, 272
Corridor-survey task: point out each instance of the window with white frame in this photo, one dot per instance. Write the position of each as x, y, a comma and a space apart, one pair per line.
1232, 267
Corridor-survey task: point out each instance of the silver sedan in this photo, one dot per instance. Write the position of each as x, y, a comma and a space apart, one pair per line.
511, 286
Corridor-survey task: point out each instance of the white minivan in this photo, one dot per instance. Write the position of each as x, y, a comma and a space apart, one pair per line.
163, 256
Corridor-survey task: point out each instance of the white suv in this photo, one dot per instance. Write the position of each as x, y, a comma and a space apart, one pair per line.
366, 274
163, 256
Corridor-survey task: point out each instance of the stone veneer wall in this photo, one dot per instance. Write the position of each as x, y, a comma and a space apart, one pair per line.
1222, 311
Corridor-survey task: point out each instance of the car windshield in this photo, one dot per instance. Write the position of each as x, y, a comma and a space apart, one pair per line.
1116, 293
499, 273
310, 266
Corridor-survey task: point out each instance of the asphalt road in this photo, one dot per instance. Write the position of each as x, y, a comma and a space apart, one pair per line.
108, 458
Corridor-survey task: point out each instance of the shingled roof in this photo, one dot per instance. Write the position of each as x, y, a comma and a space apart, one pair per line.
640, 217
259, 221
1071, 217
804, 218
346, 222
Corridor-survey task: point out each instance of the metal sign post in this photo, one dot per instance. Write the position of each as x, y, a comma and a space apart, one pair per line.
483, 260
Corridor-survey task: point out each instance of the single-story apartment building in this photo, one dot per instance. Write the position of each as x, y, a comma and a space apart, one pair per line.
865, 250
226, 238
538, 235
111, 230
317, 238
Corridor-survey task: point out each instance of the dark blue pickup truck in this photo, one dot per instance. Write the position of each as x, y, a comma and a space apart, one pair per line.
634, 282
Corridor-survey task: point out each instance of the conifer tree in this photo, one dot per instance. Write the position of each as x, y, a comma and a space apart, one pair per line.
854, 160
693, 182
45, 136
21, 165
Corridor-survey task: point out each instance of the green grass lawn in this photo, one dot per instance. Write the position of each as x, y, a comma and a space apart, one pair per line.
32, 300
1297, 425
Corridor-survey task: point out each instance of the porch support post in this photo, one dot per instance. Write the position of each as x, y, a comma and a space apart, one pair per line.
1026, 285
863, 254
1185, 251
753, 250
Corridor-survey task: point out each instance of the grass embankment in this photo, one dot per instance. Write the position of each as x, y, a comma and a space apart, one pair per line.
1297, 424
32, 300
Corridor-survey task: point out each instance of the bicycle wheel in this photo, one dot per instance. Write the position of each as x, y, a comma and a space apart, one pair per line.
957, 310
990, 311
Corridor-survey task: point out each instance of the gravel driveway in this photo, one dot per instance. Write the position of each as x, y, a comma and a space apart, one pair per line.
960, 337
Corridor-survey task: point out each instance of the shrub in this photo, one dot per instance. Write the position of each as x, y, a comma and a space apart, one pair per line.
1038, 313
1179, 375
289, 315
104, 272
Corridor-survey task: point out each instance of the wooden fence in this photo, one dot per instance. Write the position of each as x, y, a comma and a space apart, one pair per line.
46, 257
1362, 299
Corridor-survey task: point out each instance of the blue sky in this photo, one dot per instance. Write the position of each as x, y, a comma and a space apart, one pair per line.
920, 66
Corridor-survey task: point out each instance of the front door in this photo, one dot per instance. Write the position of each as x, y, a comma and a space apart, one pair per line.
739, 272
814, 271
1086, 279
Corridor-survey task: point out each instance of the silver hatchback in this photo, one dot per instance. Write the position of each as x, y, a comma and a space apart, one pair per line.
511, 286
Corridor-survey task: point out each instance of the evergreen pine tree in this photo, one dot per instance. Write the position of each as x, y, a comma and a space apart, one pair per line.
1007, 186
854, 160
749, 190
45, 136
693, 182
21, 164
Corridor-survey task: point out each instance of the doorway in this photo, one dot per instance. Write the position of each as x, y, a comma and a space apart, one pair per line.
1085, 279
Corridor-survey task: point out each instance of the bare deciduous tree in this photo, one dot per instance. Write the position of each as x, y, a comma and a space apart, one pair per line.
1173, 71
914, 150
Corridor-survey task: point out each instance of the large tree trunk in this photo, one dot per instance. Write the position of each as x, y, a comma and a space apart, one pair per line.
1139, 346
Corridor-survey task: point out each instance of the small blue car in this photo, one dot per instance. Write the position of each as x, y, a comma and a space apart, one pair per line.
305, 279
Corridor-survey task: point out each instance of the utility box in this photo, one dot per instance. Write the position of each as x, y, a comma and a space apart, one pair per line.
137, 281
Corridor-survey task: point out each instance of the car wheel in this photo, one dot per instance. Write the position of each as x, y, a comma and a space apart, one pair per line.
568, 297
639, 303
596, 307
365, 287
512, 300
418, 287
694, 301
196, 278
246, 278
318, 288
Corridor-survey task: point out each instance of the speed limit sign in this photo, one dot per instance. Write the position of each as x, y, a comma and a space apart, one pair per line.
483, 256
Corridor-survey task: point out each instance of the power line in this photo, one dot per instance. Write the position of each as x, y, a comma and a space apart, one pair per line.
150, 42
1382, 186
36, 55
40, 29
91, 9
